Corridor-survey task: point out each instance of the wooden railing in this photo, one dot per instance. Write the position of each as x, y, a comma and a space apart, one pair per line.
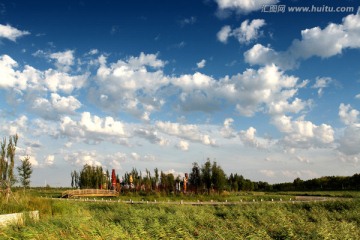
89, 193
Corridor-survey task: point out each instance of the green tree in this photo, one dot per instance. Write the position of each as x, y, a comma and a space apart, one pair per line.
90, 177
156, 171
25, 170
73, 178
206, 175
195, 178
7, 162
218, 177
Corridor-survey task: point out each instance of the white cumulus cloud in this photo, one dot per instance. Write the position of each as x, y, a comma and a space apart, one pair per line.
347, 114
224, 34
244, 6
201, 64
63, 60
188, 131
227, 130
183, 145
56, 106
11, 33
323, 43
130, 85
246, 33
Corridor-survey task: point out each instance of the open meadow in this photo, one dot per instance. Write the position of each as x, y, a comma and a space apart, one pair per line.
116, 219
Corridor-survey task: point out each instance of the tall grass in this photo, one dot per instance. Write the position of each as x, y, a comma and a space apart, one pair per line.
61, 219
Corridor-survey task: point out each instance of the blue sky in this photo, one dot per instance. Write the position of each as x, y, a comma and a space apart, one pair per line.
269, 95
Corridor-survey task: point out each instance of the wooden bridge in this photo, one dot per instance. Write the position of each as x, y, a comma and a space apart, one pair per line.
89, 193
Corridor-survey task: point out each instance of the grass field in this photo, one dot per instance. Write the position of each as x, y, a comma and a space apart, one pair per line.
61, 219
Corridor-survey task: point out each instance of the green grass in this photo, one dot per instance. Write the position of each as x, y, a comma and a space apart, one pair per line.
61, 219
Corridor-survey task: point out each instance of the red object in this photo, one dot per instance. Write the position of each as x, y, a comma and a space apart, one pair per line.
113, 178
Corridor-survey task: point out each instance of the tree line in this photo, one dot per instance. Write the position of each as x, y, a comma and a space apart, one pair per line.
205, 179
322, 183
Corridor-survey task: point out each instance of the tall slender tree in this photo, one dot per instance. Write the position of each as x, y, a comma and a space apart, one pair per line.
206, 175
25, 170
218, 177
195, 178
156, 171
7, 162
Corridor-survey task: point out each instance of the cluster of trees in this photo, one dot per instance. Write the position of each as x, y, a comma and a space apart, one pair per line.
322, 183
206, 178
95, 177
90, 177
7, 163
209, 177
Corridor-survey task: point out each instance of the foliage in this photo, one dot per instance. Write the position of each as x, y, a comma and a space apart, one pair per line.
62, 219
25, 171
208, 178
322, 183
7, 162
89, 177
195, 177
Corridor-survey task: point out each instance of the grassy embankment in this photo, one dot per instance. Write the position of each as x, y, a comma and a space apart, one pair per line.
61, 219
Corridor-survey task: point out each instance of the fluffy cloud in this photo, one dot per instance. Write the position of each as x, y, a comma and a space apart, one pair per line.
243, 6
197, 92
201, 64
324, 43
93, 128
246, 33
63, 82
350, 140
63, 60
49, 160
348, 115
93, 158
81, 158
303, 134
196, 81
189, 132
56, 106
11, 33
102, 126
321, 83
267, 89
227, 131
145, 60
17, 126
28, 152
146, 158
224, 34
130, 85
9, 77
252, 89
261, 55
32, 160
135, 156
248, 138
32, 79
151, 135
183, 145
